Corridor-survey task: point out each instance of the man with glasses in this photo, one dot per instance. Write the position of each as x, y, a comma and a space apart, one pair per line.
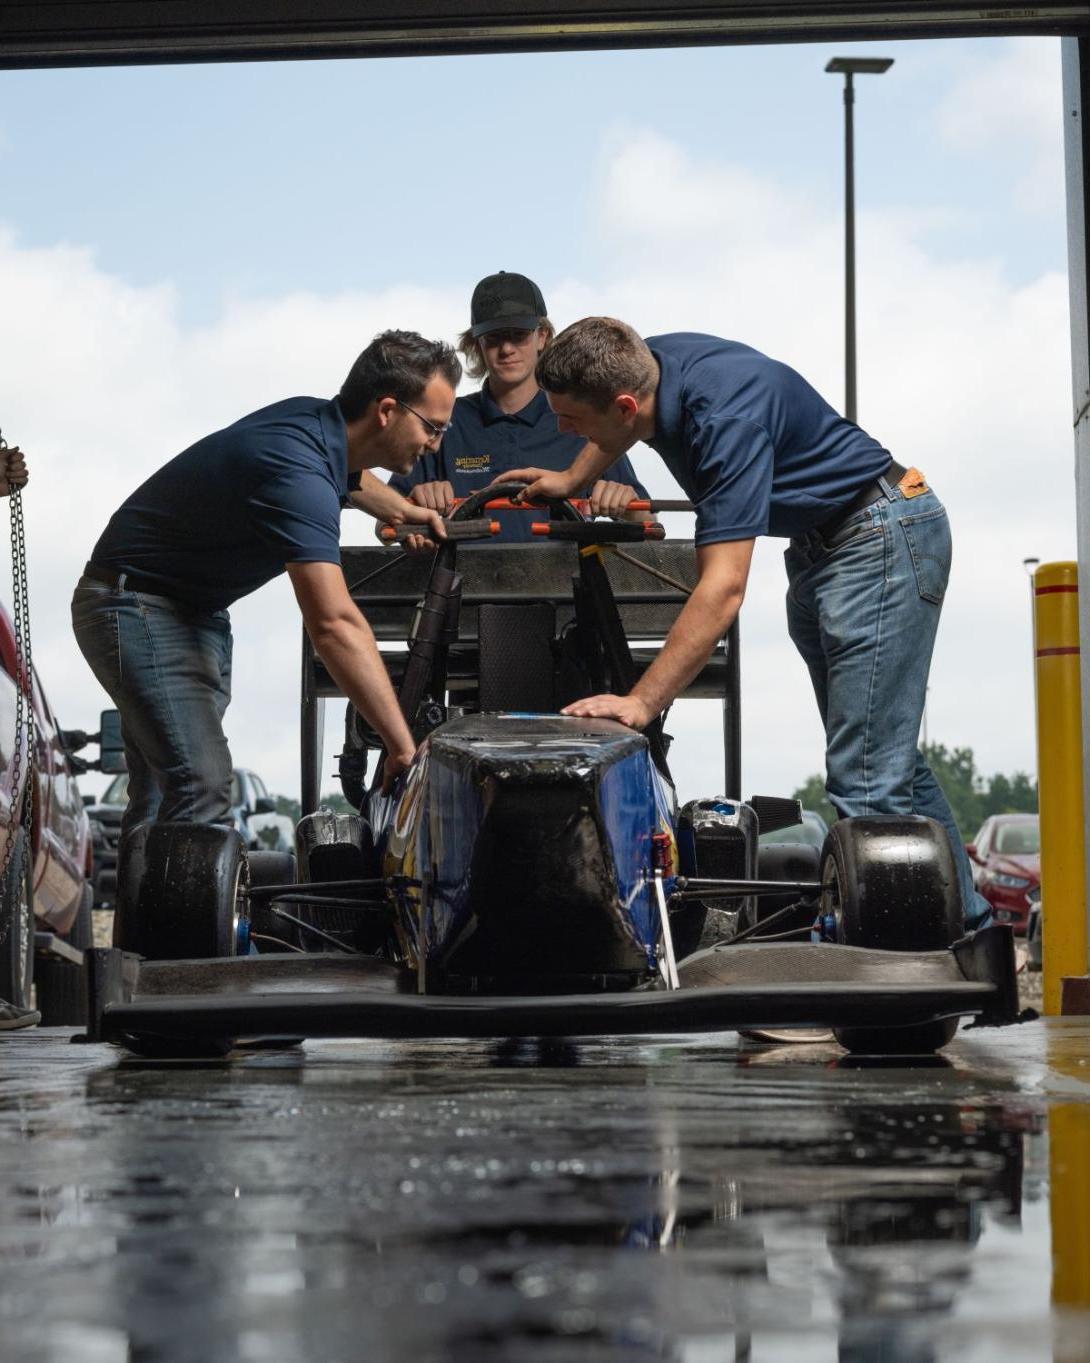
508, 423
225, 516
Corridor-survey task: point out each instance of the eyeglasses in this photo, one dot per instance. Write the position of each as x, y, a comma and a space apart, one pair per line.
434, 432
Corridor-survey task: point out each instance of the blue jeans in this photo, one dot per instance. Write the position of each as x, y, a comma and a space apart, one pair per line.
168, 671
863, 609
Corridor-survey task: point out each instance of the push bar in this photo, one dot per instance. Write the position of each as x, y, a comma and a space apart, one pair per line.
482, 529
600, 532
582, 504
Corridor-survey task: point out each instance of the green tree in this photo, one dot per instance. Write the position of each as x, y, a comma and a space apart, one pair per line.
812, 794
333, 800
1015, 794
972, 796
955, 770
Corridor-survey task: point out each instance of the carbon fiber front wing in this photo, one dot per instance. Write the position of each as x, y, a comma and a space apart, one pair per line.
136, 1002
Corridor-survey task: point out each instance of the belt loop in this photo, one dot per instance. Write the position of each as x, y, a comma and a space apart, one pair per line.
121, 582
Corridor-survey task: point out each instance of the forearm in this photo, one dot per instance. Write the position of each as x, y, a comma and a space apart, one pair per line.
379, 499
348, 649
704, 621
590, 464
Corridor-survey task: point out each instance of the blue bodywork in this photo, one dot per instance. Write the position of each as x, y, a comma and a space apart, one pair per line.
521, 845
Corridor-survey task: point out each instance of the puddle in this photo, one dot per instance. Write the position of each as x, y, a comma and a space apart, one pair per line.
681, 1200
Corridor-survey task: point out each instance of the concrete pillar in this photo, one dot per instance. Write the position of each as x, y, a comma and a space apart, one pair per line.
1076, 113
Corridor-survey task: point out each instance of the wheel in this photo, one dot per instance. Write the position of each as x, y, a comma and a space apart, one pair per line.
129, 926
189, 903
891, 883
267, 932
17, 924
61, 985
81, 934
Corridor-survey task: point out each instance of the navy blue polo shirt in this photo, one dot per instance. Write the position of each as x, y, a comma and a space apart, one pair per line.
228, 513
756, 448
483, 442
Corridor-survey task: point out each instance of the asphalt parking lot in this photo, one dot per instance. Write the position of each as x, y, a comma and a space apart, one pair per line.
690, 1199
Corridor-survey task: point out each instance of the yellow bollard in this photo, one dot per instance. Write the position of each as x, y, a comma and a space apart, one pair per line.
1059, 776
1069, 1207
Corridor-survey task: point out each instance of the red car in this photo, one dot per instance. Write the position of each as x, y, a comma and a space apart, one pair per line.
53, 897
1006, 857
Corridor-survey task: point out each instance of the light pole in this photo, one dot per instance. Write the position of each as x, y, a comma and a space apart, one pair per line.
851, 66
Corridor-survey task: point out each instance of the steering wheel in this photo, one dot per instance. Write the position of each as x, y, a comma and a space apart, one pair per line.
475, 503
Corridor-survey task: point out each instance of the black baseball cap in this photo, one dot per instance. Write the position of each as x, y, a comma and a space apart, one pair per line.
505, 300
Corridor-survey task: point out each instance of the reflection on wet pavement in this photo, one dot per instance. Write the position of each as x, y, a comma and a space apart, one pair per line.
687, 1199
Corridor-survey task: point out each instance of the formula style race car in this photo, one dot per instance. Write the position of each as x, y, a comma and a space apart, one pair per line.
532, 874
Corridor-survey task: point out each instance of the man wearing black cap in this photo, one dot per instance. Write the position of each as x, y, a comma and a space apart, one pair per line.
508, 423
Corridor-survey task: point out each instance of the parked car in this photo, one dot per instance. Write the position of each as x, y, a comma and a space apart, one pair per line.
1006, 860
1034, 940
253, 811
53, 895
812, 832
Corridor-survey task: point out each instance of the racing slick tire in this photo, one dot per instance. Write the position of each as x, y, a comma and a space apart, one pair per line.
889, 882
129, 927
17, 924
268, 932
190, 903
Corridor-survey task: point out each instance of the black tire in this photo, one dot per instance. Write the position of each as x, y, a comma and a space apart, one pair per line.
130, 930
62, 985
271, 868
81, 934
17, 924
189, 902
891, 883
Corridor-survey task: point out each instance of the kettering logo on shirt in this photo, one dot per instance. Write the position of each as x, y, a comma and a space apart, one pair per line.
473, 463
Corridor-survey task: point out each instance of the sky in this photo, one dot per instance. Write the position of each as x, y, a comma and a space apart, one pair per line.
181, 245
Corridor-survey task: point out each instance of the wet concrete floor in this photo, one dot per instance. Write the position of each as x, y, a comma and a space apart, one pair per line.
691, 1199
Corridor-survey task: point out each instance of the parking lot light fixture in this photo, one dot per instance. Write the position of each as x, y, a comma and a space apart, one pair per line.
849, 67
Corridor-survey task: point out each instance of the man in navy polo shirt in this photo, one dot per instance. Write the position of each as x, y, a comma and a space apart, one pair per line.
225, 516
759, 452
508, 423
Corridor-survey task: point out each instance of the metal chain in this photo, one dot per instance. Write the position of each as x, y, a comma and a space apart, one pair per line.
24, 703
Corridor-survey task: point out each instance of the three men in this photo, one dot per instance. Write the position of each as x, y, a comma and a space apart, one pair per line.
761, 453
753, 445
508, 423
225, 516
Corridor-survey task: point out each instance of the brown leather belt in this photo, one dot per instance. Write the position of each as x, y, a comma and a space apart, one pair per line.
122, 581
866, 496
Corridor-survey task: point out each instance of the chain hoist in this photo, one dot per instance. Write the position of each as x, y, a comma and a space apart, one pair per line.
24, 697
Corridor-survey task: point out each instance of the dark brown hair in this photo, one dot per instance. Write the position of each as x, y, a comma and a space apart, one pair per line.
397, 364
595, 359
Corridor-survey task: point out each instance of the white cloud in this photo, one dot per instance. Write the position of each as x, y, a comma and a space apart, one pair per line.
962, 373
1008, 103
